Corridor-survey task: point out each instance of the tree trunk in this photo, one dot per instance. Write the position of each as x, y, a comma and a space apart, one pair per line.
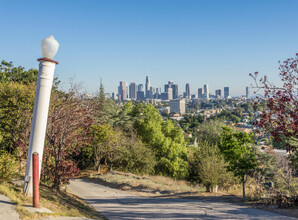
98, 168
243, 186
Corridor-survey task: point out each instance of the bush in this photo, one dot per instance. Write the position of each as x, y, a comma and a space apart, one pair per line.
207, 166
8, 166
135, 157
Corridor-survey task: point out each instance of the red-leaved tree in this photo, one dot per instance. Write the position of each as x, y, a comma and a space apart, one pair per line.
67, 132
281, 116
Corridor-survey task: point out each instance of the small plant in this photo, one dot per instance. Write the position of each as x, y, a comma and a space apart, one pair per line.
8, 166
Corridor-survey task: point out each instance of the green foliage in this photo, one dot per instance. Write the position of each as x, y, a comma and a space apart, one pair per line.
239, 153
210, 131
16, 107
133, 156
164, 139
105, 143
207, 166
10, 73
8, 166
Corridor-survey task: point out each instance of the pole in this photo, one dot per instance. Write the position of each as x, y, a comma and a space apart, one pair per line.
40, 116
35, 180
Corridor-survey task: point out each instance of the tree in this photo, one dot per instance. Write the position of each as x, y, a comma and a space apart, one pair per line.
166, 141
209, 166
67, 132
280, 118
16, 107
10, 73
239, 153
134, 156
105, 143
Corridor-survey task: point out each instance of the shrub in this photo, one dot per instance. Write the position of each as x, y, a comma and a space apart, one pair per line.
8, 166
135, 157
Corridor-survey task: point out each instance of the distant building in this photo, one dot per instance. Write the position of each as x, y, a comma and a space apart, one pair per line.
122, 94
140, 87
247, 92
226, 92
113, 96
206, 91
218, 93
177, 106
200, 93
170, 93
133, 90
147, 87
140, 95
193, 96
175, 91
187, 91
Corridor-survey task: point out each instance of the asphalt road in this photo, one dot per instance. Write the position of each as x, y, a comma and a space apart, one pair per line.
116, 204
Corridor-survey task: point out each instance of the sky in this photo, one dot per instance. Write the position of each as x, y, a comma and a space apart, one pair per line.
214, 42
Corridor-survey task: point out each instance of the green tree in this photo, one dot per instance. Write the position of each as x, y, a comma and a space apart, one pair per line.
133, 156
239, 153
164, 139
16, 107
105, 142
10, 73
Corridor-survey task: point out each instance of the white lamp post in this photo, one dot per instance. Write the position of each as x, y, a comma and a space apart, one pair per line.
49, 48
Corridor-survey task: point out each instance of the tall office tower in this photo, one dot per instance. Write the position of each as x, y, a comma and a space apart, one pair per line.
175, 91
218, 93
133, 90
170, 94
187, 91
169, 85
247, 92
226, 92
122, 90
200, 93
206, 91
151, 93
140, 95
140, 87
113, 96
147, 87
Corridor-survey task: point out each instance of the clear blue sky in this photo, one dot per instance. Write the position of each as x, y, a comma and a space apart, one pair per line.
214, 42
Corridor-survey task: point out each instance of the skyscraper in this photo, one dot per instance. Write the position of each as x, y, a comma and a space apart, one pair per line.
175, 91
226, 92
140, 87
122, 90
206, 91
147, 87
247, 92
133, 90
200, 93
187, 91
218, 93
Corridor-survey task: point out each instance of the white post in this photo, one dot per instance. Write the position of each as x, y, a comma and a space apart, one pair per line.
39, 120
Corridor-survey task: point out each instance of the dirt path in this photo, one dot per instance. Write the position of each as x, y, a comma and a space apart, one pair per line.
116, 204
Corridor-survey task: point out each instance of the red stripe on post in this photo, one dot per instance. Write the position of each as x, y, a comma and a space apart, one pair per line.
35, 180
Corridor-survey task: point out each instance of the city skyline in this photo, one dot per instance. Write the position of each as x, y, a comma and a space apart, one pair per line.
171, 90
198, 42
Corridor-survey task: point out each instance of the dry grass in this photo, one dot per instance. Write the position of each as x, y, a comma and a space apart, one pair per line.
146, 184
61, 203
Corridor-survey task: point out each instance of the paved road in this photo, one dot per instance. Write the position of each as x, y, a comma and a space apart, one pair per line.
116, 204
7, 209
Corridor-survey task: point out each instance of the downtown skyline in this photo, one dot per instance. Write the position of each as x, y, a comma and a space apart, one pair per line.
145, 90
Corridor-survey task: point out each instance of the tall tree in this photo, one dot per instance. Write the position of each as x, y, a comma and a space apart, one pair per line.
239, 153
165, 140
